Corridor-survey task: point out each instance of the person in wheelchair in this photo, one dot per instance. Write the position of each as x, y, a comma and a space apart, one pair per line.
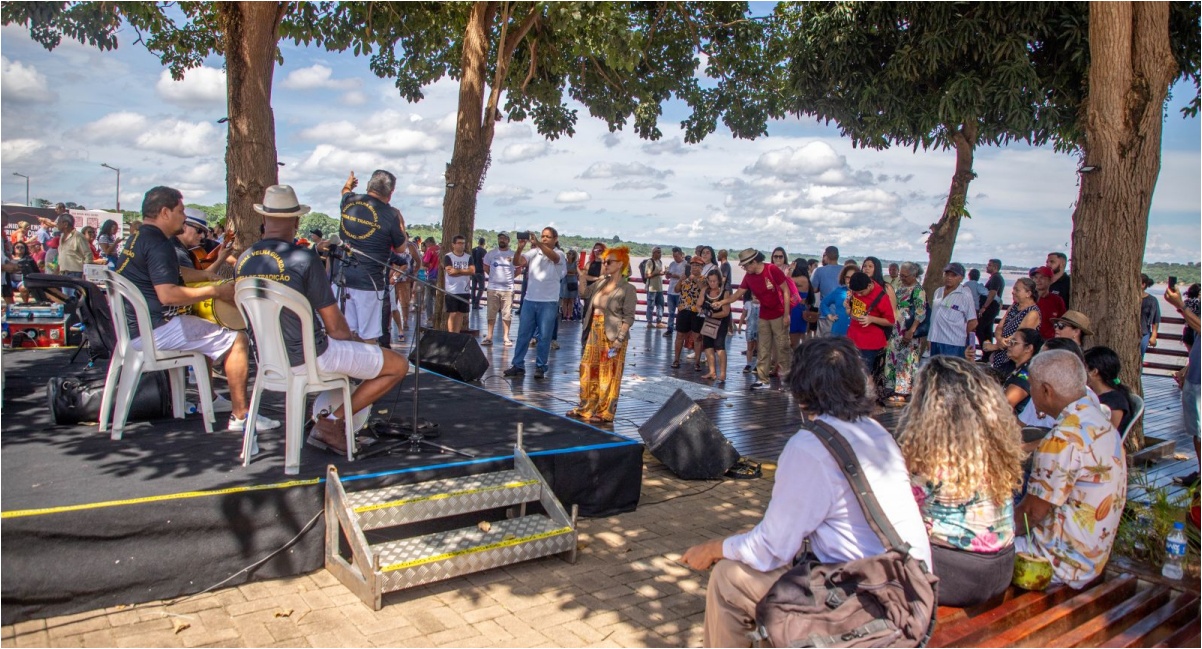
339, 351
149, 261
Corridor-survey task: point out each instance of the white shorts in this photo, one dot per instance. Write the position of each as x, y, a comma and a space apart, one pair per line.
354, 359
363, 312
188, 333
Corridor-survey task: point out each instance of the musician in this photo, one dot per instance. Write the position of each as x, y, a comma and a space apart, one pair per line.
149, 261
339, 350
190, 251
371, 228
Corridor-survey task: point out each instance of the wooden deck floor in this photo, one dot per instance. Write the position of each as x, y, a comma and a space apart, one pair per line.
757, 423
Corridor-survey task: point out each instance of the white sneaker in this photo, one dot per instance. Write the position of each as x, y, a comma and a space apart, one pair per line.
221, 404
261, 423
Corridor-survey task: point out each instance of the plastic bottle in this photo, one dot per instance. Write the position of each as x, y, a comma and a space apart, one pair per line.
1174, 550
190, 408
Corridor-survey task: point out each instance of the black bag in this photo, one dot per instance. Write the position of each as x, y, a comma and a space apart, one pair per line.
77, 399
888, 600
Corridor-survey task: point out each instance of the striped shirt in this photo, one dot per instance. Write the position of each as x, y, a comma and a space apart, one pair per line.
950, 316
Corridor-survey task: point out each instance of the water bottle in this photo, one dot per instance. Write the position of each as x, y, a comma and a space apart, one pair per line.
1174, 550
190, 408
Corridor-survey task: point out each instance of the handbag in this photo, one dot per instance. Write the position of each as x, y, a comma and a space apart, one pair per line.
810, 316
710, 328
888, 600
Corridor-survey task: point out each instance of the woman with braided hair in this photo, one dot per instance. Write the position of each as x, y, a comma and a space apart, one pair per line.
608, 317
962, 446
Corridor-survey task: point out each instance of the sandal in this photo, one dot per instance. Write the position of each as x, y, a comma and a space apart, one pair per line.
675, 365
708, 377
720, 383
575, 413
598, 419
486, 342
697, 368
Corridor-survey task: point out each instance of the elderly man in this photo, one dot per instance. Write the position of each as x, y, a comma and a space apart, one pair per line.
498, 265
812, 500
954, 314
276, 257
73, 248
372, 228
652, 272
1078, 483
769, 285
148, 260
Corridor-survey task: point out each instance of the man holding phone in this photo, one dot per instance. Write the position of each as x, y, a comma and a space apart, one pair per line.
545, 267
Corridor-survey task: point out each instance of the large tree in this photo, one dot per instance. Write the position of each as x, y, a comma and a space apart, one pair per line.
946, 75
522, 60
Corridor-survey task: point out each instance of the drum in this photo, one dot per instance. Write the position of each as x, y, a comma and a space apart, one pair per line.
219, 312
329, 402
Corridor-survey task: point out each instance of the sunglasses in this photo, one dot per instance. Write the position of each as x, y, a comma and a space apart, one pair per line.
778, 256
1062, 325
613, 261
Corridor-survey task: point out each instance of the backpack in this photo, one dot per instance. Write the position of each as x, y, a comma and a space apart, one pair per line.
888, 600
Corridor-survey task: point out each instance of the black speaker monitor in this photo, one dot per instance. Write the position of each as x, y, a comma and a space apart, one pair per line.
457, 356
682, 437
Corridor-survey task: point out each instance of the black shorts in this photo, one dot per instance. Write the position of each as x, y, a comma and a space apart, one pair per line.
463, 305
689, 322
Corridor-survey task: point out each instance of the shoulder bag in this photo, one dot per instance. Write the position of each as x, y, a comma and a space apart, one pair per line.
888, 600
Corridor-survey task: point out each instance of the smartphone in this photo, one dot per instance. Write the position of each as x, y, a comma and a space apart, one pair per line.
1172, 282
524, 236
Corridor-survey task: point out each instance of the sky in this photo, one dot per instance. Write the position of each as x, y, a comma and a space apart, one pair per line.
66, 112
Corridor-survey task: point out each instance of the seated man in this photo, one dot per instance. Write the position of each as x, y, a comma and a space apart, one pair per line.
1078, 485
149, 261
339, 351
811, 499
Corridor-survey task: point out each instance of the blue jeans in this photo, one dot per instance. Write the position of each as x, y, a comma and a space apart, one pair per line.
655, 306
942, 349
540, 316
673, 302
1143, 346
1190, 400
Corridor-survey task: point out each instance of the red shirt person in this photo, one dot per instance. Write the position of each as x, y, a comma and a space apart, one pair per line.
771, 287
1051, 306
870, 311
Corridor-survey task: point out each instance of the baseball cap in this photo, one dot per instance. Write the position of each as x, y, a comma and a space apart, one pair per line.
1045, 271
955, 268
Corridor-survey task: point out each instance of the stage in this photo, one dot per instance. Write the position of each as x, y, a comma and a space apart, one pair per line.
169, 510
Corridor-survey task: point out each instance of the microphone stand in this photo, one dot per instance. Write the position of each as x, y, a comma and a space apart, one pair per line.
415, 437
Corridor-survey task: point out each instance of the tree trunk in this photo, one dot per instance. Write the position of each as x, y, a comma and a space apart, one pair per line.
943, 234
1130, 70
250, 33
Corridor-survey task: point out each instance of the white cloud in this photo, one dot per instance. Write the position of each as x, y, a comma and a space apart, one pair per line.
812, 159
114, 127
354, 98
672, 146
386, 132
23, 84
317, 77
638, 183
619, 169
507, 194
203, 86
572, 197
524, 151
181, 139
512, 130
330, 159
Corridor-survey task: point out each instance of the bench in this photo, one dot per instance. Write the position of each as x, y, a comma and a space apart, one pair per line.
1116, 610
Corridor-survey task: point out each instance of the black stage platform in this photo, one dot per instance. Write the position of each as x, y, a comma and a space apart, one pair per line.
169, 510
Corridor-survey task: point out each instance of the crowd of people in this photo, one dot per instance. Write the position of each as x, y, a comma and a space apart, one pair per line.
1021, 452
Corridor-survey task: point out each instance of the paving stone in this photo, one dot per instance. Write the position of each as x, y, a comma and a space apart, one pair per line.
452, 636
207, 636
343, 637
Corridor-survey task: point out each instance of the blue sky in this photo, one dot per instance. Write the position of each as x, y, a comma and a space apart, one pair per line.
66, 112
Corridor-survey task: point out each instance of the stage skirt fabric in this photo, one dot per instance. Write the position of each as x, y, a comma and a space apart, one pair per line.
600, 375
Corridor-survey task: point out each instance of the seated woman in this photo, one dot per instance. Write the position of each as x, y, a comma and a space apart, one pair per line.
962, 449
1024, 345
1102, 368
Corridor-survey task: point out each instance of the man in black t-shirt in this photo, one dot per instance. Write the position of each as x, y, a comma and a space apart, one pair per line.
478, 276
995, 288
1061, 282
338, 349
149, 261
371, 228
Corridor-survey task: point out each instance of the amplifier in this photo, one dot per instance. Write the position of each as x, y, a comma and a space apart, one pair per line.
35, 333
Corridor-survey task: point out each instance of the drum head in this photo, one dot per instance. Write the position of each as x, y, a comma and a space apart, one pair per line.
330, 400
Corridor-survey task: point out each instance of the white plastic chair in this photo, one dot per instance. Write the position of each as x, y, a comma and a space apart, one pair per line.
1137, 410
262, 301
129, 363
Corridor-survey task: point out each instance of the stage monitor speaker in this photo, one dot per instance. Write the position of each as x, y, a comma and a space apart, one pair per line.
457, 356
682, 437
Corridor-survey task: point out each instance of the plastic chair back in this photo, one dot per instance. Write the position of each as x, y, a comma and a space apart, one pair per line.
1137, 410
263, 301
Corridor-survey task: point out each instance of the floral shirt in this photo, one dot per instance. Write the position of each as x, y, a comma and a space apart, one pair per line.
690, 293
911, 306
1081, 469
973, 525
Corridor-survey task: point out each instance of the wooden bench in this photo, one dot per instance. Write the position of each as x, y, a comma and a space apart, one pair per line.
1117, 610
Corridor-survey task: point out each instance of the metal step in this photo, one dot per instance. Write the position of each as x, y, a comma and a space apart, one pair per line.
424, 501
442, 555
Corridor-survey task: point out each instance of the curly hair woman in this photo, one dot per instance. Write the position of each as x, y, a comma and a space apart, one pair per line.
610, 314
962, 444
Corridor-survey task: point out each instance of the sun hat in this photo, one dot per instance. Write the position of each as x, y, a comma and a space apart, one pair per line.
280, 201
196, 219
1076, 319
747, 256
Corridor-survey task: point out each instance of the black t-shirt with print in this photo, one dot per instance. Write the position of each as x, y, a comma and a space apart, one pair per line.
297, 268
149, 259
373, 227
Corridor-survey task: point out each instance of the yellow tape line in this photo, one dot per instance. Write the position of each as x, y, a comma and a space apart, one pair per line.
464, 492
154, 499
459, 553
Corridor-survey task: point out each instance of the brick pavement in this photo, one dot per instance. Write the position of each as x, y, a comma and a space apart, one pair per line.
626, 589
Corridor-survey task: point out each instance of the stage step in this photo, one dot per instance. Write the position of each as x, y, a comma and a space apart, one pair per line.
372, 570
438, 498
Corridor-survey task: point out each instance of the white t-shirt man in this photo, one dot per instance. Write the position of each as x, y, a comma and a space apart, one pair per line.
543, 276
678, 269
500, 269
951, 314
458, 284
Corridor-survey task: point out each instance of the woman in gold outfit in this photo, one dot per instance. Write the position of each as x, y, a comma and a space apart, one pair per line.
607, 319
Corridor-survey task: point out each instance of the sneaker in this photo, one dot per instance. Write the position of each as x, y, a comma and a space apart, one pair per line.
514, 371
756, 385
668, 333
554, 344
540, 373
221, 404
261, 423
747, 369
